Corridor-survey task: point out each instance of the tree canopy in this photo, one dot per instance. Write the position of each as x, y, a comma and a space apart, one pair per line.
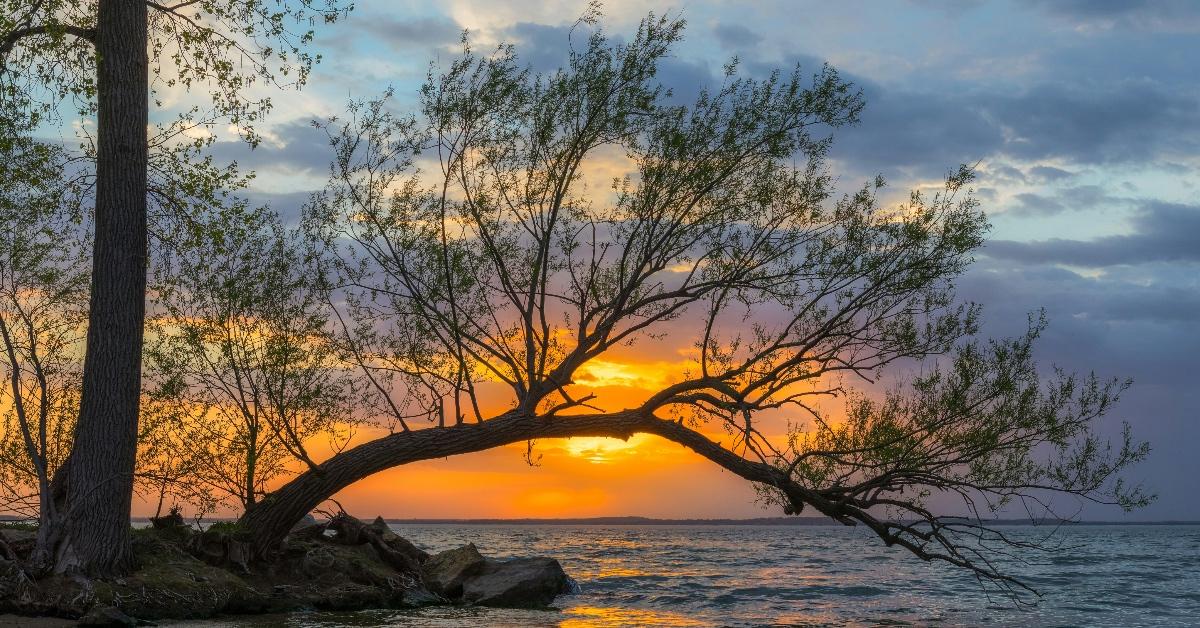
467, 261
476, 251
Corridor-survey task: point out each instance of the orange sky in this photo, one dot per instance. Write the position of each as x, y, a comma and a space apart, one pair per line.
581, 477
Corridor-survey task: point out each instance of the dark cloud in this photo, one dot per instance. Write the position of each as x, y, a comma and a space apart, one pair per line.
1133, 120
1168, 15
427, 31
397, 32
735, 36
295, 146
545, 48
1119, 325
1030, 204
1007, 173
288, 205
1079, 198
1050, 173
917, 131
927, 132
1163, 232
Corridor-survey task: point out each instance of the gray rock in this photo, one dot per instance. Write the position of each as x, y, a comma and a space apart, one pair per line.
107, 616
317, 562
417, 596
445, 573
397, 542
307, 521
517, 583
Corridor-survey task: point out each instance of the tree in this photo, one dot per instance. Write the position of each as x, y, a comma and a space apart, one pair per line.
101, 54
43, 288
240, 351
495, 264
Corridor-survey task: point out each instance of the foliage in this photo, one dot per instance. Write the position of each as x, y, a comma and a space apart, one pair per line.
474, 251
43, 308
243, 375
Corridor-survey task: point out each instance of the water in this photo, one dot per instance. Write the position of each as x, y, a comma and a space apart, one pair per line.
808, 576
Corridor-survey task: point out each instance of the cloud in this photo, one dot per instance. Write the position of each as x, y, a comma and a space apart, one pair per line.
1050, 173
393, 30
1127, 322
405, 34
1163, 232
735, 36
1030, 204
1134, 120
291, 146
926, 132
1078, 198
1141, 15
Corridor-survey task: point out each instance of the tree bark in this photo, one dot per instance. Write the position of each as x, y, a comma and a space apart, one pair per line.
272, 517
270, 520
100, 471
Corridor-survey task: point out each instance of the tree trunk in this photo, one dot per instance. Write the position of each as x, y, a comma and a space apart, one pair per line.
273, 517
100, 473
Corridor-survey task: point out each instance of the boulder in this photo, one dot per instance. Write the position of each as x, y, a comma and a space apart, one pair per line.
444, 573
107, 616
517, 583
173, 519
317, 561
397, 542
307, 521
307, 528
221, 549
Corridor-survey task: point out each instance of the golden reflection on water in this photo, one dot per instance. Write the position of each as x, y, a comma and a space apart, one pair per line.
604, 617
612, 568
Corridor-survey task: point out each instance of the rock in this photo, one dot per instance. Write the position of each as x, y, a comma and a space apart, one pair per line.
352, 596
172, 520
445, 573
397, 542
12, 579
220, 549
517, 583
306, 522
107, 616
317, 561
418, 595
17, 542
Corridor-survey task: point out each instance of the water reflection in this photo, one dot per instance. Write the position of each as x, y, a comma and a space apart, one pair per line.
807, 576
613, 617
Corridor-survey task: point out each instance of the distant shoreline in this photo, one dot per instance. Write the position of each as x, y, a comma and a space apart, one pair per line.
761, 521
650, 521
780, 521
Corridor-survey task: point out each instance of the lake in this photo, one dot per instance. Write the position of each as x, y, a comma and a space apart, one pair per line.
1124, 575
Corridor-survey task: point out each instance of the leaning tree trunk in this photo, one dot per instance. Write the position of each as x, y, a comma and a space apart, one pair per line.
100, 472
272, 517
270, 520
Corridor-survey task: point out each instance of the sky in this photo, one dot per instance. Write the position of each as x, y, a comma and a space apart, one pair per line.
1083, 118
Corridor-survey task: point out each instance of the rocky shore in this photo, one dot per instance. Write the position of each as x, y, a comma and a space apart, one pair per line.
340, 564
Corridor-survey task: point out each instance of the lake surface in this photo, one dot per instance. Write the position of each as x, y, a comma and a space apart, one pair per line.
807, 576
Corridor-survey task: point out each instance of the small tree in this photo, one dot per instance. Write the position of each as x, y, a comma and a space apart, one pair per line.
43, 296
495, 263
240, 349
110, 58
169, 464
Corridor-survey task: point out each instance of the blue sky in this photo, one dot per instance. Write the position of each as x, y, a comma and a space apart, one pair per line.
1084, 118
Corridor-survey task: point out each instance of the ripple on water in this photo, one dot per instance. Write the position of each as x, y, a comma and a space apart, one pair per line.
808, 576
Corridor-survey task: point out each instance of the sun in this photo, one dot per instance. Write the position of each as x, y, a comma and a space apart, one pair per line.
602, 449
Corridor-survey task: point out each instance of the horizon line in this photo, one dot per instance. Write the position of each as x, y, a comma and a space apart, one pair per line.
713, 521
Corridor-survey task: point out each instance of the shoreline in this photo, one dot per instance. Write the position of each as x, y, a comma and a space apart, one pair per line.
761, 522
